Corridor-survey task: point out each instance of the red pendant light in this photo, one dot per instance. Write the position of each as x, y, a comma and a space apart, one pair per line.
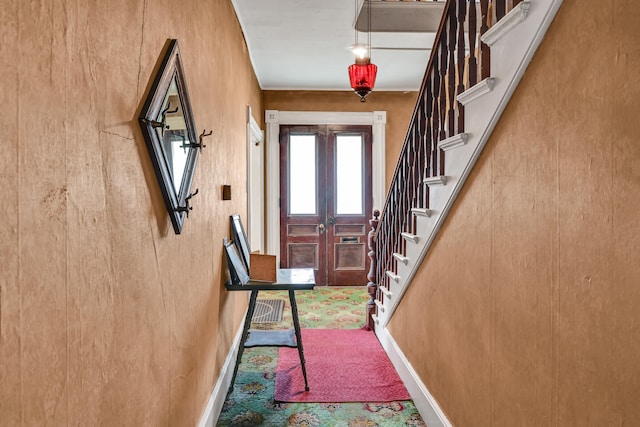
362, 74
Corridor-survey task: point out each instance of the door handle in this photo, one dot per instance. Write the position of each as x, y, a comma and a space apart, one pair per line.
331, 220
321, 228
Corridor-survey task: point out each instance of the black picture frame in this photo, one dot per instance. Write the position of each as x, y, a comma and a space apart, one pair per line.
170, 135
239, 275
240, 237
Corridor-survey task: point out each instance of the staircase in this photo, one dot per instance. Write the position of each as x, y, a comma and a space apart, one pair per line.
464, 92
467, 85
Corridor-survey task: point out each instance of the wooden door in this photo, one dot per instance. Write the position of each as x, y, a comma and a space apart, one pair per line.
325, 201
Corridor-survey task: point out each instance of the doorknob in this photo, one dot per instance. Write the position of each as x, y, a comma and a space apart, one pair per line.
331, 220
321, 228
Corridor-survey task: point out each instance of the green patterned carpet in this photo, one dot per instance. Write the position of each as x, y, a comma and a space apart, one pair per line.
251, 402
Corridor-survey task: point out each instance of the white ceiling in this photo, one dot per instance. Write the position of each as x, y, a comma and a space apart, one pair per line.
304, 45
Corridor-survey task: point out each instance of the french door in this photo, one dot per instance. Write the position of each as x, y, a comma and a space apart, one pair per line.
326, 201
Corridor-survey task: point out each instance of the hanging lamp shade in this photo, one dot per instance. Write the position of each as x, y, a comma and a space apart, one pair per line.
362, 76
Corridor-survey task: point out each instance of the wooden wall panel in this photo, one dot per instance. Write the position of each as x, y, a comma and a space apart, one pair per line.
10, 369
42, 192
532, 285
523, 254
106, 316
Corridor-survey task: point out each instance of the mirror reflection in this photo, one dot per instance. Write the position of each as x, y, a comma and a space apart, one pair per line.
174, 135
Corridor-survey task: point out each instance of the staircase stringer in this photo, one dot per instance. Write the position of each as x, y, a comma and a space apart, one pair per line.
511, 53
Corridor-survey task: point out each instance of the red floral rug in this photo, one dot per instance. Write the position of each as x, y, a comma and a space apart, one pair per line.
343, 365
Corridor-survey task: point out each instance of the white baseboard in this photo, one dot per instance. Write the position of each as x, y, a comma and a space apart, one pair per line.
431, 413
212, 411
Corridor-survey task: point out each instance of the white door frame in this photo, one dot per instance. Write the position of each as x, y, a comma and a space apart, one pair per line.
255, 184
273, 120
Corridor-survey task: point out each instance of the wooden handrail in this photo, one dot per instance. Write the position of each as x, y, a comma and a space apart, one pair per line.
458, 61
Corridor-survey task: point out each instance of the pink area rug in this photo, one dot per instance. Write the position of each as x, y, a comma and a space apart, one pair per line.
343, 365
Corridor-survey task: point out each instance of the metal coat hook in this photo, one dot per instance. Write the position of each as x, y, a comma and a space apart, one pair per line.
198, 145
186, 208
204, 133
163, 121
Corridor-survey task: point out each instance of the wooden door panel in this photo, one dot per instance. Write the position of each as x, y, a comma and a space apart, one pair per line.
299, 230
347, 235
302, 242
303, 255
330, 241
349, 230
349, 256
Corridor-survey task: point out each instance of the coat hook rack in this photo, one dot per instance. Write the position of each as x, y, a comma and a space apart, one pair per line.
186, 208
199, 145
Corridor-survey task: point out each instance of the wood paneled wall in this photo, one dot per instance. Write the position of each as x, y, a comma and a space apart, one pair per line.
525, 310
106, 316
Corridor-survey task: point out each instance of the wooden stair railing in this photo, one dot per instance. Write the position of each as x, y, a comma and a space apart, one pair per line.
458, 61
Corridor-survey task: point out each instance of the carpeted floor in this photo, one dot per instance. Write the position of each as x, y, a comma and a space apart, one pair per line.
251, 402
335, 371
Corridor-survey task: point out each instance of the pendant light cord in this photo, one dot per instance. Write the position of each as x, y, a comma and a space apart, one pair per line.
369, 29
355, 23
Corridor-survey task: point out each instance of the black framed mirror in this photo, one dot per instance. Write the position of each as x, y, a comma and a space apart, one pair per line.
170, 135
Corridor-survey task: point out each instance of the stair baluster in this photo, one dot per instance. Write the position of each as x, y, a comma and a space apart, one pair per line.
485, 60
462, 14
472, 62
437, 116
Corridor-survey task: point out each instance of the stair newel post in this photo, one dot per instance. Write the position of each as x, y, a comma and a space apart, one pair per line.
485, 60
372, 286
473, 64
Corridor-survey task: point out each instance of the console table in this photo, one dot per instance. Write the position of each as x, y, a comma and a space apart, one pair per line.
291, 280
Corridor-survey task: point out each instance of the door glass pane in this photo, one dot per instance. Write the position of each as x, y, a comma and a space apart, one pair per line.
349, 174
302, 175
